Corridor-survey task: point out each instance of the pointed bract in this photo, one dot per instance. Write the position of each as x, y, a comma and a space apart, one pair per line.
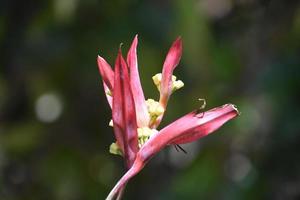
117, 105
136, 87
123, 112
189, 128
171, 61
205, 123
107, 75
106, 72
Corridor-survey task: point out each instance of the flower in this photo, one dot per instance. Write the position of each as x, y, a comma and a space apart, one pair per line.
135, 120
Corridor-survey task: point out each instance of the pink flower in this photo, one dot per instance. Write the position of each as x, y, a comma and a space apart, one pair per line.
135, 119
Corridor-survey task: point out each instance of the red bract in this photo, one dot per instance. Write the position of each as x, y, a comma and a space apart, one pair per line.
135, 119
135, 83
172, 60
107, 76
124, 115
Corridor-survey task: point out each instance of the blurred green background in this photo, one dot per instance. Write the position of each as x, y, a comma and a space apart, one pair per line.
54, 134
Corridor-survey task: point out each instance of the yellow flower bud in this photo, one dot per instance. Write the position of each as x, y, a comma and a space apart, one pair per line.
154, 108
174, 78
175, 84
115, 149
144, 133
157, 79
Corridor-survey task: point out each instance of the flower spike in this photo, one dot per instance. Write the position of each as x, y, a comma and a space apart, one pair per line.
137, 91
135, 120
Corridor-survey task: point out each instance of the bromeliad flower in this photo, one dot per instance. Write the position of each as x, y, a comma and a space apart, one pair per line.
135, 120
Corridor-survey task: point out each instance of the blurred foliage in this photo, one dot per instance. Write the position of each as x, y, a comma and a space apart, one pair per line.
54, 133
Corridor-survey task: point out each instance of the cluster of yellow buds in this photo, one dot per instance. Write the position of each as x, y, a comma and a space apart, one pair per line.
176, 84
144, 134
155, 109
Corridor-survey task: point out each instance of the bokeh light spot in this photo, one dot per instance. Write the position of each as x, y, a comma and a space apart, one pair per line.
48, 107
238, 167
